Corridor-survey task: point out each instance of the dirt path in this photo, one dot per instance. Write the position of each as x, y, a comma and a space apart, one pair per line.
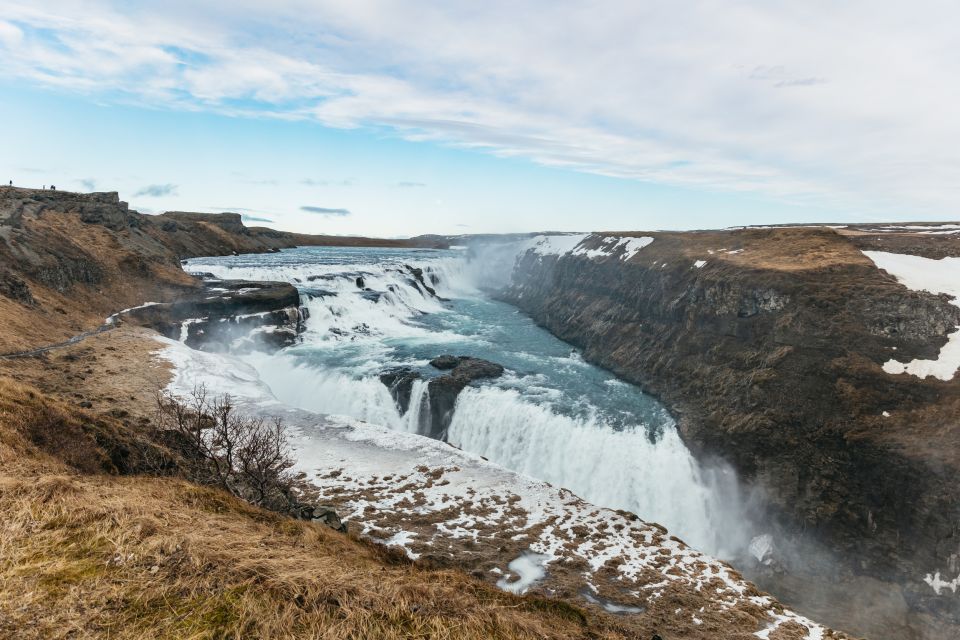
59, 345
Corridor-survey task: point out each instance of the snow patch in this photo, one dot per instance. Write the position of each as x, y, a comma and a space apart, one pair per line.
761, 547
402, 539
555, 245
935, 276
609, 245
699, 264
938, 584
114, 317
529, 568
632, 245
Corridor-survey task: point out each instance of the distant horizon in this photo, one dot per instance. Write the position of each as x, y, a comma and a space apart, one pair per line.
250, 222
382, 118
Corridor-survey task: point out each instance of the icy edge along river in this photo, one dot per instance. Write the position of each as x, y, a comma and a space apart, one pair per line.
552, 416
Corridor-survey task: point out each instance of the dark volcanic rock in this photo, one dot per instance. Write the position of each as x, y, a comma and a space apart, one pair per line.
400, 383
266, 314
16, 289
442, 391
417, 273
466, 368
445, 363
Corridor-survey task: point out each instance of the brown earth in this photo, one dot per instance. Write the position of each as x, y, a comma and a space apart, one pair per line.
88, 551
98, 537
769, 356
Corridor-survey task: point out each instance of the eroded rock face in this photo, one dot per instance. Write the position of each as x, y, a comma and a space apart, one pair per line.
229, 314
767, 346
400, 383
443, 390
419, 283
15, 289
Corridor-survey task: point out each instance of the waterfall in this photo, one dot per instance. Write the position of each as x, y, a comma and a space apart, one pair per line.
553, 417
419, 411
625, 469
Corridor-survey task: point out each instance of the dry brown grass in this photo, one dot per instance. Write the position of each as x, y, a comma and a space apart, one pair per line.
95, 555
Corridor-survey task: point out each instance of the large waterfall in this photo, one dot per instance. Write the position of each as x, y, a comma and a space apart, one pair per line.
551, 416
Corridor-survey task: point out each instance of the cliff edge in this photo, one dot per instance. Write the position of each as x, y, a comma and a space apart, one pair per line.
769, 345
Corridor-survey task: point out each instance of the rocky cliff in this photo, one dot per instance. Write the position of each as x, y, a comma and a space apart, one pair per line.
767, 345
69, 260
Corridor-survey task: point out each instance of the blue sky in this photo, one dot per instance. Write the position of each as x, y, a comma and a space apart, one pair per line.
392, 119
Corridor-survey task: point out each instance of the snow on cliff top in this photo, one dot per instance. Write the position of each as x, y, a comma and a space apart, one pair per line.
577, 245
447, 506
935, 276
554, 245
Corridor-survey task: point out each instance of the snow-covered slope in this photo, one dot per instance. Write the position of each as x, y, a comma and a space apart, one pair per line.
451, 508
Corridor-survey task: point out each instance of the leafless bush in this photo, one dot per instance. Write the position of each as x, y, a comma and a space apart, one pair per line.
246, 456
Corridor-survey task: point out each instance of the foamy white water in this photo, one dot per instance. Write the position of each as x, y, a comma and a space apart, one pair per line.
552, 416
622, 468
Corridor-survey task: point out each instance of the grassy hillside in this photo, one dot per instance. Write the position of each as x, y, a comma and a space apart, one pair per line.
87, 552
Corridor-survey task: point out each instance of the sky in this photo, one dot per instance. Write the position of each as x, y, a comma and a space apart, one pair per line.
397, 118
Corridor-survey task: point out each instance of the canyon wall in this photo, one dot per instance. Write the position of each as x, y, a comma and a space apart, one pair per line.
767, 345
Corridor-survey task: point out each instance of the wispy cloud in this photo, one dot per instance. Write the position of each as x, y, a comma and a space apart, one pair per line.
246, 213
800, 82
88, 183
311, 182
410, 185
250, 218
324, 211
779, 76
673, 95
157, 191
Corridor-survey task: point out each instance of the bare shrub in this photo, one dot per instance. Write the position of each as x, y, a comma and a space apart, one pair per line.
243, 455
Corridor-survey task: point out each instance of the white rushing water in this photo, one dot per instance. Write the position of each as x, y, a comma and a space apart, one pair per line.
551, 416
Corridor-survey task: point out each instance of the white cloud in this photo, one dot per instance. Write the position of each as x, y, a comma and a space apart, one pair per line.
850, 105
10, 35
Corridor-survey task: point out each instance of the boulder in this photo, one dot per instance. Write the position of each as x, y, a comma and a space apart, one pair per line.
445, 363
328, 516
324, 514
